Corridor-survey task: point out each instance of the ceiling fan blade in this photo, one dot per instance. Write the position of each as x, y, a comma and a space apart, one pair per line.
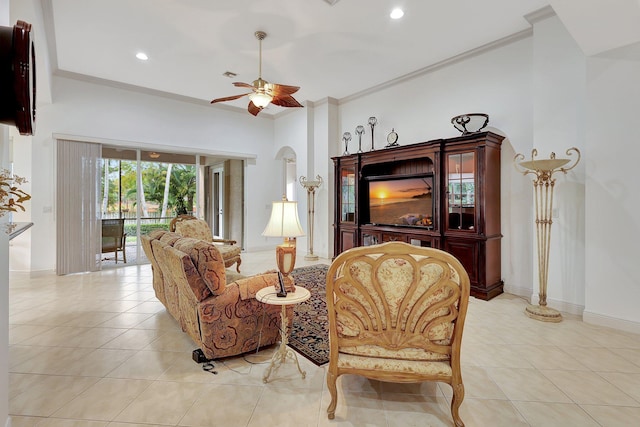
285, 101
229, 98
241, 84
278, 90
253, 108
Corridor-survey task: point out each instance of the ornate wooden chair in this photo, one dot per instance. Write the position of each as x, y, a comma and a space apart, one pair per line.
396, 314
190, 226
114, 237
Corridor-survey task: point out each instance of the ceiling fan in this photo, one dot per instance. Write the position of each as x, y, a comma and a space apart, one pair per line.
262, 92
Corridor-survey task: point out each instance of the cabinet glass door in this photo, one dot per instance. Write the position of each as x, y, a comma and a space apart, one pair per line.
348, 196
461, 191
369, 239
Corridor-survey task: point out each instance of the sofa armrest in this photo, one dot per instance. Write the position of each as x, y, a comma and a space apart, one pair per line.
230, 324
224, 241
249, 286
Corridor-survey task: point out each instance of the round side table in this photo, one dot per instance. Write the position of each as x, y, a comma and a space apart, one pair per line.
268, 296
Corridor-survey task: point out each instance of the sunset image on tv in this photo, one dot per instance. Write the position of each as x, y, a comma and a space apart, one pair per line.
405, 201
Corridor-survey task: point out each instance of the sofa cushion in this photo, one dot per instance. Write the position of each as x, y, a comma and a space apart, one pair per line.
169, 238
157, 233
196, 228
229, 251
207, 260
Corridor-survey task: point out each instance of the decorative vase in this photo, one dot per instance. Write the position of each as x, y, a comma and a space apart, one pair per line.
360, 132
372, 122
346, 137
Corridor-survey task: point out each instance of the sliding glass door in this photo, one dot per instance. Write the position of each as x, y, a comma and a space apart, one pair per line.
168, 188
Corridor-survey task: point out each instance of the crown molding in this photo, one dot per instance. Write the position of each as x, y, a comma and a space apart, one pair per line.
133, 88
152, 92
540, 15
439, 65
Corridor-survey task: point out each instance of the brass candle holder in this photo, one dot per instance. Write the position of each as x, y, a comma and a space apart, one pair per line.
543, 184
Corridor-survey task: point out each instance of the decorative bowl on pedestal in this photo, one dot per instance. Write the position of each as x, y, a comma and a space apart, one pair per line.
470, 122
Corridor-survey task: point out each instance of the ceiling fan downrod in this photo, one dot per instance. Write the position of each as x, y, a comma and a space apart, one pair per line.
260, 35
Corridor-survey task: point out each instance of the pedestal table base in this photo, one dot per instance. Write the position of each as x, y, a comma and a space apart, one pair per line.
268, 296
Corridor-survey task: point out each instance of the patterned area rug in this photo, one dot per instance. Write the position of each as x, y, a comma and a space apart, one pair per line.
310, 332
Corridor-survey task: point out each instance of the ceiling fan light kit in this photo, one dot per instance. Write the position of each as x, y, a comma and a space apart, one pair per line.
262, 92
260, 100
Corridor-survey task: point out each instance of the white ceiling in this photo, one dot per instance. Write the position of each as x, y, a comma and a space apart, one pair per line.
329, 51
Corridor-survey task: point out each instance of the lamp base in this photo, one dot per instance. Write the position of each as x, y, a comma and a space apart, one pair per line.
286, 260
311, 257
543, 313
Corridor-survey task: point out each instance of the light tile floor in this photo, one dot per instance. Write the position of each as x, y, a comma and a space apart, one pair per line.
97, 350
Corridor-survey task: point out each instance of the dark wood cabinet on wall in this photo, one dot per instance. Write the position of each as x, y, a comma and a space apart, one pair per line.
443, 193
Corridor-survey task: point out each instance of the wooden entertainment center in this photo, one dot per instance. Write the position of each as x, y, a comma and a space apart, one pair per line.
443, 193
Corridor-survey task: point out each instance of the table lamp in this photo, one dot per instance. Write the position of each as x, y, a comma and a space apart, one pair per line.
284, 222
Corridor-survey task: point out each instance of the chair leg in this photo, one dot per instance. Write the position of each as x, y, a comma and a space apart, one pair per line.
238, 265
124, 254
456, 401
333, 390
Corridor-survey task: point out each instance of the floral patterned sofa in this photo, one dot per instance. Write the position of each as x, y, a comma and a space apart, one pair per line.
222, 317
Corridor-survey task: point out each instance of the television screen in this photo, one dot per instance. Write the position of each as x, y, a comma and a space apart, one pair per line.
402, 201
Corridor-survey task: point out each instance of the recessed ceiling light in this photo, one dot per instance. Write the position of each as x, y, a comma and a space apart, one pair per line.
142, 56
396, 13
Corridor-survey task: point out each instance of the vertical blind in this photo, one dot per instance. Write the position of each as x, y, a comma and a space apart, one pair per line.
78, 232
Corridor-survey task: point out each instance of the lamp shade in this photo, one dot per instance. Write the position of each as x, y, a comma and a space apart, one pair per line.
284, 221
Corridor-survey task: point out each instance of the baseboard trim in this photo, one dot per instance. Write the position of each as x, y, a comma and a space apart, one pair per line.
566, 307
587, 316
611, 322
518, 291
563, 306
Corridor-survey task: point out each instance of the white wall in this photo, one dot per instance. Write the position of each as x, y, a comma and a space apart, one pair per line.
325, 132
612, 204
497, 82
310, 133
129, 118
291, 133
20, 247
559, 85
